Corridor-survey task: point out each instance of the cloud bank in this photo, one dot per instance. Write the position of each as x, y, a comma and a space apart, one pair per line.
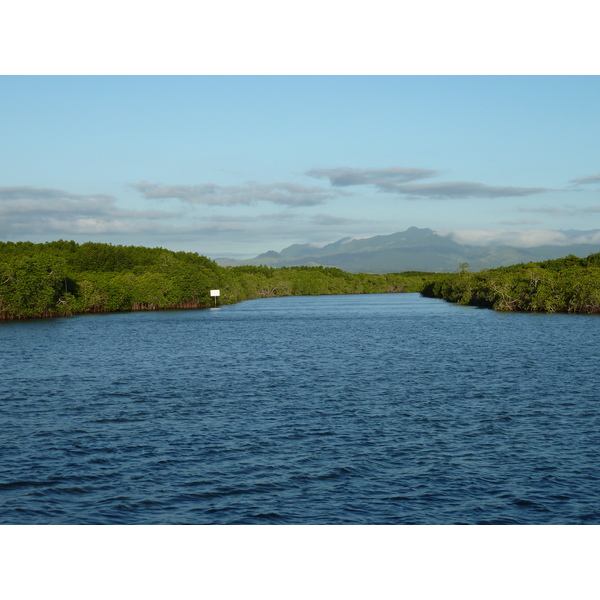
286, 194
522, 238
398, 180
462, 189
586, 180
43, 214
50, 211
345, 176
30, 213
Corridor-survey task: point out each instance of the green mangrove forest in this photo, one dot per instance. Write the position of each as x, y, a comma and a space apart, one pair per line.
564, 285
63, 278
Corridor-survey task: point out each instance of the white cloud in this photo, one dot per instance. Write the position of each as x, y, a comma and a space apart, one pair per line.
55, 213
460, 189
561, 212
397, 180
520, 222
287, 194
42, 214
586, 180
524, 238
548, 210
345, 176
330, 220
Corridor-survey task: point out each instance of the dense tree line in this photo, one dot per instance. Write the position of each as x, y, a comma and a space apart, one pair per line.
566, 285
64, 278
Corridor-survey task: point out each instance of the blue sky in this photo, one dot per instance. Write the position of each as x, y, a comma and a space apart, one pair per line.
237, 165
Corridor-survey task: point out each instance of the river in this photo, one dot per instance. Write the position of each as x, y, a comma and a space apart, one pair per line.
359, 409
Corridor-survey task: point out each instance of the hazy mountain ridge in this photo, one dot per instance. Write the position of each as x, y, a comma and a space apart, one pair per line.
411, 250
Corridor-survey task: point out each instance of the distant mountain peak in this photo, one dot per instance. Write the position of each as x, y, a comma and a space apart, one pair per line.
344, 240
416, 249
269, 254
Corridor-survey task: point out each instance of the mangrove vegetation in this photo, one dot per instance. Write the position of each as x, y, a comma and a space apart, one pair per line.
64, 278
564, 285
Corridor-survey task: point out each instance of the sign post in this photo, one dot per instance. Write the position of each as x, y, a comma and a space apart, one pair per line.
215, 294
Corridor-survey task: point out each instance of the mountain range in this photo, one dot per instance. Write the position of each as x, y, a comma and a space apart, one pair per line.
415, 249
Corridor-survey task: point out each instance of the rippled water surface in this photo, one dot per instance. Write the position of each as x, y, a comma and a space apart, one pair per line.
371, 409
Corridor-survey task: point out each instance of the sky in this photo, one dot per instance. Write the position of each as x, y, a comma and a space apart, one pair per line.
238, 129
238, 165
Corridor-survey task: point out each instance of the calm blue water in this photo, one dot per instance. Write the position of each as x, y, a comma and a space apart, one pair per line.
372, 409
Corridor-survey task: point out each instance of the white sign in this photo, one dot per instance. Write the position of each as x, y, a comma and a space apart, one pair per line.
215, 292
